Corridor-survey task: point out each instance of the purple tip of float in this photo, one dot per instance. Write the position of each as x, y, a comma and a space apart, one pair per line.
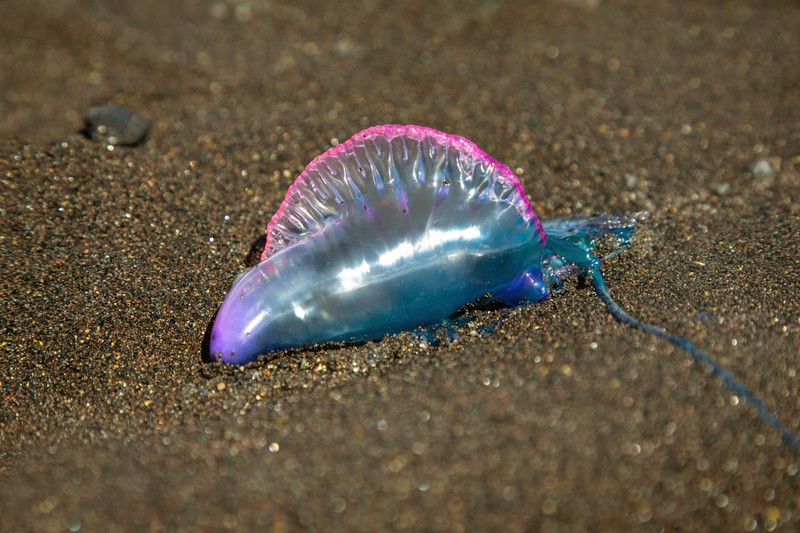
225, 340
390, 131
238, 336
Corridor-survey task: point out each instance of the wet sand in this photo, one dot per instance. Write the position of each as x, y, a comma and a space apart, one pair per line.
115, 261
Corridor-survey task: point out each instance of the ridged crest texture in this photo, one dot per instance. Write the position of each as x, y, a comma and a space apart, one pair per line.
380, 165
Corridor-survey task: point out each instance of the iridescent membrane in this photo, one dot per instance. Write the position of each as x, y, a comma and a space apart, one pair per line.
400, 227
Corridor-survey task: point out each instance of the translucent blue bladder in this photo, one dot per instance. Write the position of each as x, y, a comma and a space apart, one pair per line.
400, 227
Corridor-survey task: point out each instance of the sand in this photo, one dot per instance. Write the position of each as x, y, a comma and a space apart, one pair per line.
561, 419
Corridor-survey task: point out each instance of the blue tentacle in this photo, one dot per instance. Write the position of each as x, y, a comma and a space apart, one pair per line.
738, 388
569, 248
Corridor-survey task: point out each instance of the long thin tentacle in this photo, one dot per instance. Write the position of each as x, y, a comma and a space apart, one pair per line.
697, 354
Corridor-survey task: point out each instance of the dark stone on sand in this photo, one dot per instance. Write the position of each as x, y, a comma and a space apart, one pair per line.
115, 125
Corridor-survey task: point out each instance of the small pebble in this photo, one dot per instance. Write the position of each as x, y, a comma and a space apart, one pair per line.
115, 125
722, 188
763, 169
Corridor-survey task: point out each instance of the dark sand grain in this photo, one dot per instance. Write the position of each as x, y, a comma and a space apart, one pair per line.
114, 262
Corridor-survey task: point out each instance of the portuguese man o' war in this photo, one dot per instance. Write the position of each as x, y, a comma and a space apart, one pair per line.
400, 227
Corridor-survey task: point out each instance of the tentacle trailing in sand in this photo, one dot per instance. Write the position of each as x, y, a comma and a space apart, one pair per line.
569, 251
